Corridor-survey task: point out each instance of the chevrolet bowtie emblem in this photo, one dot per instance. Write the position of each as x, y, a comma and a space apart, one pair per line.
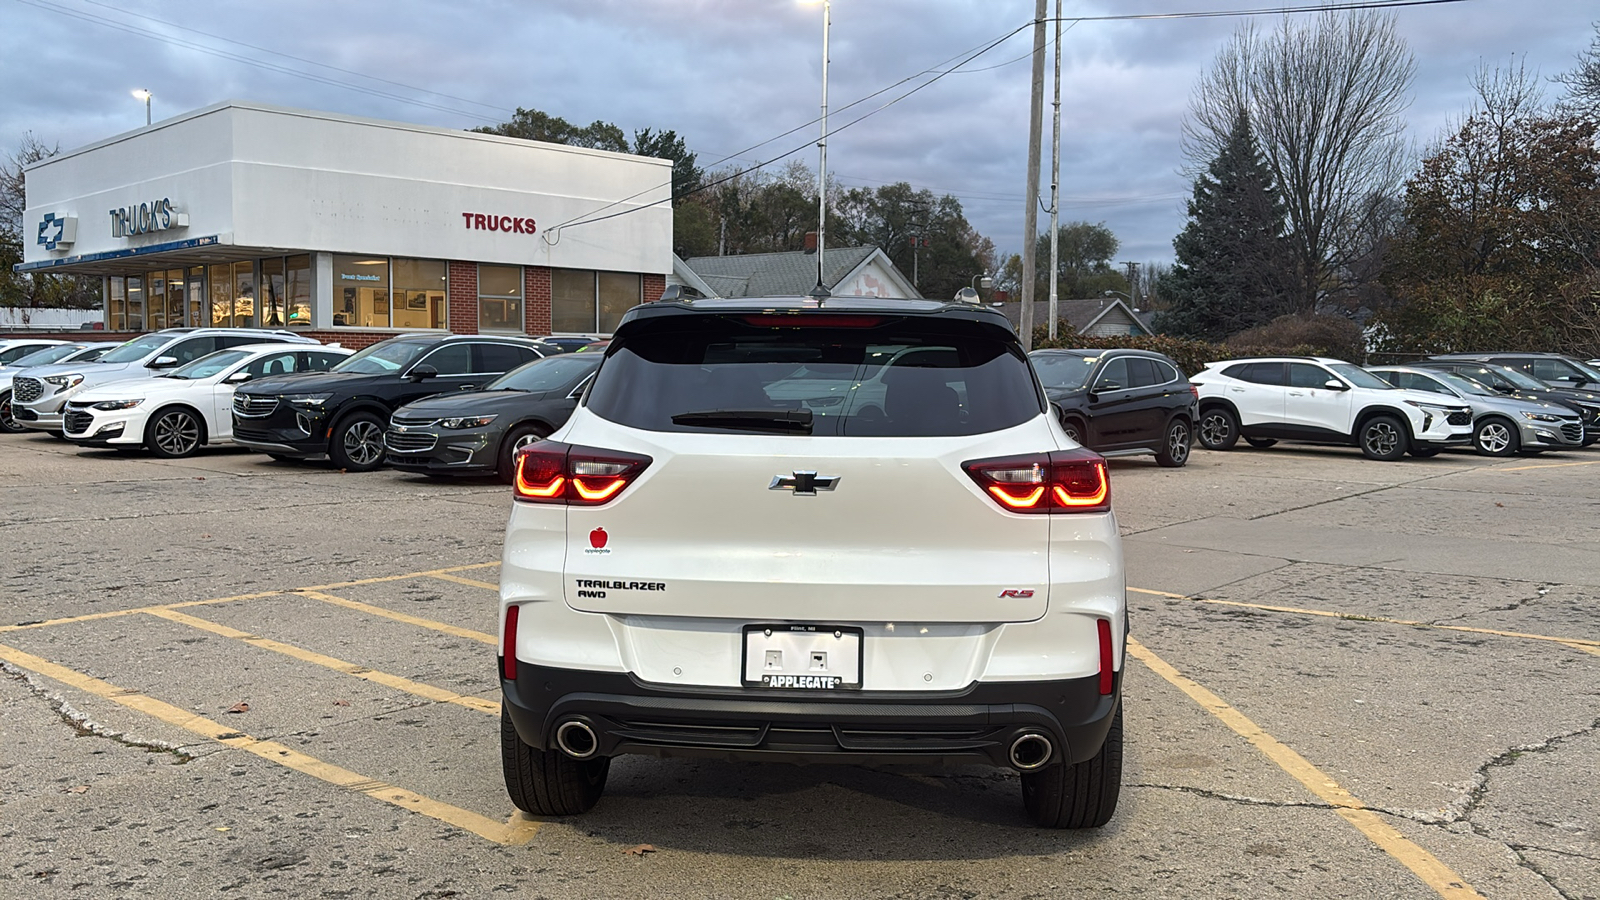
804, 484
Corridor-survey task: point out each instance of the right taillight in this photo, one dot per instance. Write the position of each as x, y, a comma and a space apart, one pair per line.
552, 472
1064, 481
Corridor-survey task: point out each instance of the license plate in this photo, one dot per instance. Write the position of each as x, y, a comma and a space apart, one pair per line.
802, 657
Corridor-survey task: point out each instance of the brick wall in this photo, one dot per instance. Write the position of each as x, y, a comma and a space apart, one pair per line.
463, 293
536, 300
353, 340
654, 285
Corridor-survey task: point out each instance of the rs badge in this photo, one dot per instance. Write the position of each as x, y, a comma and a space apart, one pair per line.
1018, 595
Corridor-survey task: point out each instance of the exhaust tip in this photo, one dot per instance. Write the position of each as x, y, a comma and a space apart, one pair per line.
576, 739
1031, 751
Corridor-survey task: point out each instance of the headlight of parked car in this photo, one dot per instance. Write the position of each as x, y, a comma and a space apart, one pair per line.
1431, 408
117, 404
64, 381
467, 422
307, 401
1541, 417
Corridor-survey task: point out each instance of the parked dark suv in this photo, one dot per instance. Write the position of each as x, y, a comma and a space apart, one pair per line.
1121, 402
343, 412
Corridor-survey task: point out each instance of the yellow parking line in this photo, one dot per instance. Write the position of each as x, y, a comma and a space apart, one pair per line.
406, 685
400, 617
1435, 874
1583, 644
385, 578
467, 581
515, 830
1545, 466
135, 611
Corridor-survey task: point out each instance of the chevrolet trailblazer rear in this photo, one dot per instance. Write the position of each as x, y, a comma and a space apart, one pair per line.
844, 532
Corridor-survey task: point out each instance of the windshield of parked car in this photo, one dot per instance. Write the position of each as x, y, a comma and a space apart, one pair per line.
898, 377
549, 374
379, 359
1063, 371
137, 349
1589, 372
1360, 377
1463, 384
1499, 376
208, 365
44, 357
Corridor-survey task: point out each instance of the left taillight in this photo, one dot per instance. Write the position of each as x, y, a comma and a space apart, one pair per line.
553, 472
1063, 481
508, 652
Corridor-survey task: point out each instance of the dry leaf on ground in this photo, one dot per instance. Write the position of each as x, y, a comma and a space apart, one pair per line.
240, 707
640, 850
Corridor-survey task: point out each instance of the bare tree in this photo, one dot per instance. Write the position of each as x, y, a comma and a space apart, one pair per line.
1327, 99
31, 291
1583, 82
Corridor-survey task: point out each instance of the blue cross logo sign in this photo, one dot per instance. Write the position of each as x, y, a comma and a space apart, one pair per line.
56, 230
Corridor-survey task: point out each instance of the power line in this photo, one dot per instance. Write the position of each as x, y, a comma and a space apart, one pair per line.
1266, 11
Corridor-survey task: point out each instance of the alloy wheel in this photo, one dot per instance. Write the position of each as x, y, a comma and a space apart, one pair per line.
177, 434
1494, 438
526, 440
1214, 429
1381, 438
1178, 442
8, 422
363, 443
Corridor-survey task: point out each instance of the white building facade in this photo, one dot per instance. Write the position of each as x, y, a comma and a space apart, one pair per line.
242, 214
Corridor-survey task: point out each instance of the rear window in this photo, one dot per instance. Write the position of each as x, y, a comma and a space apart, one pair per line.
902, 378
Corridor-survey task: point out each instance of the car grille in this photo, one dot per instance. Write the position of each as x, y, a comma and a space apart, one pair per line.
26, 390
1572, 431
410, 441
77, 421
1460, 418
251, 434
412, 421
254, 407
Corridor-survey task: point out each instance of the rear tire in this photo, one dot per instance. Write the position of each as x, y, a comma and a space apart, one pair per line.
1219, 429
1496, 437
516, 439
1176, 444
1076, 430
1383, 438
357, 443
8, 422
1078, 796
549, 782
1261, 443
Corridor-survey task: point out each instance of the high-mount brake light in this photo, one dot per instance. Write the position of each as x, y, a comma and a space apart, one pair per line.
806, 320
552, 472
1064, 481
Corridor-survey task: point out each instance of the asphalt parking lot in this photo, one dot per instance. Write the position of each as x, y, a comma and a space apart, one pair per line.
225, 676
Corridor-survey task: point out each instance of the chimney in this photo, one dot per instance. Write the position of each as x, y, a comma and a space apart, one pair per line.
811, 242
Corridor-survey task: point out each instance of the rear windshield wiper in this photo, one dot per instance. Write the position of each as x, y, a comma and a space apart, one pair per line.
788, 421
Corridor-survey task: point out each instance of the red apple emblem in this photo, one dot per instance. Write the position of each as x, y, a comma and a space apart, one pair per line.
597, 538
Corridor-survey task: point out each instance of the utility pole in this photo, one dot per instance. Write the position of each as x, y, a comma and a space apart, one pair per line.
822, 150
1030, 220
1133, 283
1055, 187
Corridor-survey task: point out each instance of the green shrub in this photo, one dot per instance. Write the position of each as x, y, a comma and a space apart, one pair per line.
1296, 335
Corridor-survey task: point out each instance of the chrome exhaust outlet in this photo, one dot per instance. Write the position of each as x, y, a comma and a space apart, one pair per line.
1031, 751
576, 739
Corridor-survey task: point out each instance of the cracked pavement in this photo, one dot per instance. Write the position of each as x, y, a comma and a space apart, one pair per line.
1481, 747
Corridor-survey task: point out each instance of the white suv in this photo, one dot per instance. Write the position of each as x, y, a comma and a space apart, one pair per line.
1323, 401
706, 560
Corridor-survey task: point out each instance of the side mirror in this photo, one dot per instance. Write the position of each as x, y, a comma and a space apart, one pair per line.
163, 362
421, 372
238, 377
1334, 384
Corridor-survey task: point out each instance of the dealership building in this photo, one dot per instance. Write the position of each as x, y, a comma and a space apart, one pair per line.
348, 229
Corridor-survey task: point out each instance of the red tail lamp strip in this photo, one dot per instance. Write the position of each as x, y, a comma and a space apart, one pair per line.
1064, 481
1108, 675
508, 652
553, 472
810, 320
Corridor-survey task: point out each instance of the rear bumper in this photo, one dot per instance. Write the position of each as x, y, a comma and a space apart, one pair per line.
975, 725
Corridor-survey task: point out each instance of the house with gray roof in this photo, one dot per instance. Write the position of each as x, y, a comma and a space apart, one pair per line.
1092, 317
851, 272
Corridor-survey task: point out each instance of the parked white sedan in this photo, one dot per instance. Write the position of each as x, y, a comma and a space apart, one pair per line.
175, 414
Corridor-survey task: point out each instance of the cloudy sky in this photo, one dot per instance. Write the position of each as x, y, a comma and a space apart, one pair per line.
730, 75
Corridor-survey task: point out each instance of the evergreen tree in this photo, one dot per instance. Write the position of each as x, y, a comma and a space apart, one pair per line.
1235, 269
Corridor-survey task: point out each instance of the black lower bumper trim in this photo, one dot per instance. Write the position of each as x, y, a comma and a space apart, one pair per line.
975, 725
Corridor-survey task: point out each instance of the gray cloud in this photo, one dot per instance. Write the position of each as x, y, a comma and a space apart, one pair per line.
728, 74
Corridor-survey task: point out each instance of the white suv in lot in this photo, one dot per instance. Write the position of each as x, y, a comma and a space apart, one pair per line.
1323, 401
39, 398
707, 561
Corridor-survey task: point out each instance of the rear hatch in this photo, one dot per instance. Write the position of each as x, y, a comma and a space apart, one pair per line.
810, 472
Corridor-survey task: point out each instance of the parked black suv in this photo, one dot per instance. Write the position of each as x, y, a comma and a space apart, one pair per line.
1121, 402
1531, 376
343, 412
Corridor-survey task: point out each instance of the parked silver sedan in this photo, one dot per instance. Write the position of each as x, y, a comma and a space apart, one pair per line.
1501, 426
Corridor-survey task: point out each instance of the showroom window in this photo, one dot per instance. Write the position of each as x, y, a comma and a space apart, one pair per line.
499, 298
419, 293
117, 303
361, 291
591, 302
233, 295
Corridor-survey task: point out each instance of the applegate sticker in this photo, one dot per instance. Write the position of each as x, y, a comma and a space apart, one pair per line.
597, 543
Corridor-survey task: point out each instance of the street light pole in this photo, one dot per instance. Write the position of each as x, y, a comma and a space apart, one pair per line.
144, 95
1055, 189
822, 150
